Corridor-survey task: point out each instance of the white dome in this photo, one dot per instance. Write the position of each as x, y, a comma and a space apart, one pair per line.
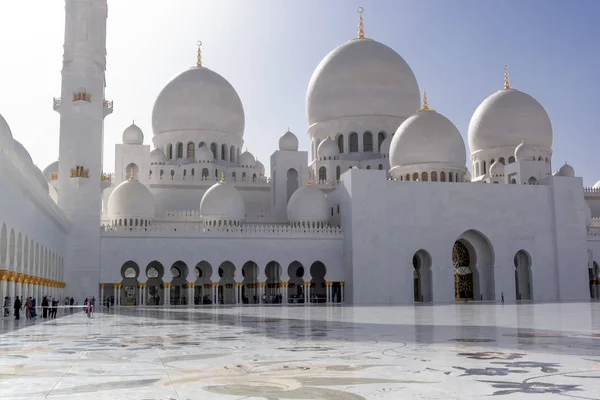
198, 100
222, 201
506, 118
133, 135
385, 145
328, 149
566, 170
260, 167
131, 199
596, 185
496, 169
246, 159
204, 155
427, 137
51, 169
22, 152
157, 156
288, 142
308, 204
361, 77
525, 152
6, 137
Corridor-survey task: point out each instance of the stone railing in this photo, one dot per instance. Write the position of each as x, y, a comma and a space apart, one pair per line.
194, 215
201, 230
591, 190
189, 179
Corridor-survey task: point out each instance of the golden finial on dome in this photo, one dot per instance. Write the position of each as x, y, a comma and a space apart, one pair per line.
361, 27
425, 103
222, 177
506, 81
199, 56
131, 174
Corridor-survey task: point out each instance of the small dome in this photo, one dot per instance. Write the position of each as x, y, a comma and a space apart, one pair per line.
222, 202
131, 199
6, 137
133, 135
566, 170
596, 185
385, 145
204, 155
22, 153
198, 99
328, 149
361, 77
308, 204
157, 156
507, 117
427, 137
288, 142
497, 169
246, 159
51, 169
260, 168
525, 152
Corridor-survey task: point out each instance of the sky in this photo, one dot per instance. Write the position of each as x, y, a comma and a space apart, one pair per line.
268, 50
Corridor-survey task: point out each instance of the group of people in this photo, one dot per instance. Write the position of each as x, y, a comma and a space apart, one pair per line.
49, 307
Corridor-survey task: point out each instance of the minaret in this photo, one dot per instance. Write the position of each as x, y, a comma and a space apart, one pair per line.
82, 109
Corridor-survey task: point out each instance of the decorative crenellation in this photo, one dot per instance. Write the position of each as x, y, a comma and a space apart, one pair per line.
106, 177
82, 95
79, 172
54, 176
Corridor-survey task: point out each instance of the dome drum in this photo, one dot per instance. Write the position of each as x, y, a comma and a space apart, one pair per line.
430, 172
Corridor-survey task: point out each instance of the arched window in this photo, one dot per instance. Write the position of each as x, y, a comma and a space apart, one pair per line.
179, 150
407, 177
201, 144
162, 172
484, 167
292, 182
491, 162
193, 172
322, 174
233, 176
216, 173
354, 142
424, 177
338, 172
224, 152
511, 159
243, 176
450, 177
190, 150
380, 139
434, 176
513, 181
416, 176
380, 167
340, 142
368, 167
442, 176
232, 154
172, 173
205, 172
253, 177
502, 161
367, 141
213, 148
170, 151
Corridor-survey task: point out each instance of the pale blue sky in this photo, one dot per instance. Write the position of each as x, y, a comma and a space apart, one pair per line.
268, 50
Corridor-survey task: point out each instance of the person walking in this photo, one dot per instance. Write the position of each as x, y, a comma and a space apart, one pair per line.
28, 306
45, 307
33, 309
6, 306
17, 307
502, 297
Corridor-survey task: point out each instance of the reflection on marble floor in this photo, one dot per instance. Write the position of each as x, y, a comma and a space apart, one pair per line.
466, 351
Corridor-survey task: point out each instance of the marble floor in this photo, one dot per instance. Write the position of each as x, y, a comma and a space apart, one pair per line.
462, 351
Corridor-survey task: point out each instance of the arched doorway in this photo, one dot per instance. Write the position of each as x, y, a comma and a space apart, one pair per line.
130, 273
522, 263
594, 274
272, 290
318, 289
202, 291
296, 282
473, 262
154, 274
421, 262
226, 294
179, 273
249, 289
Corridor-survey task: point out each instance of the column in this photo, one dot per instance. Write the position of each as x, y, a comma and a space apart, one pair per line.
11, 287
306, 293
328, 292
190, 294
216, 293
116, 293
237, 293
166, 294
284, 292
140, 295
101, 295
3, 286
342, 292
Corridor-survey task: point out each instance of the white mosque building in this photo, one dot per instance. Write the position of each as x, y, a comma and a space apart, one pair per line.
382, 209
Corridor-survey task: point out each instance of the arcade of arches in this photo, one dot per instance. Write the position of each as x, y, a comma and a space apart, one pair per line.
155, 285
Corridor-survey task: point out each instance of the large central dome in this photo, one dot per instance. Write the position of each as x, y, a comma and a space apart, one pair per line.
361, 77
198, 99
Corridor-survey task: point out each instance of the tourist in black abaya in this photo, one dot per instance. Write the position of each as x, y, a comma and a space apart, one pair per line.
45, 307
17, 307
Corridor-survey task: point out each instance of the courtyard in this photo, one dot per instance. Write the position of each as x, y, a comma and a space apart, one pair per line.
455, 351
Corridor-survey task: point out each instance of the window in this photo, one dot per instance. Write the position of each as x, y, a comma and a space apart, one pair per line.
205, 172
424, 177
442, 176
338, 208
368, 167
502, 161
224, 152
340, 142
450, 177
201, 144
190, 150
484, 167
213, 148
511, 159
338, 171
380, 139
367, 141
415, 176
434, 176
233, 176
407, 177
380, 167
354, 142
170, 151
322, 174
179, 150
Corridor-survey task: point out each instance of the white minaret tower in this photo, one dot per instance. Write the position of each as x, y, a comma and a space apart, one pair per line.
82, 109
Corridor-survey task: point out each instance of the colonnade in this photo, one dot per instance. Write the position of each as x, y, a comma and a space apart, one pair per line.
14, 284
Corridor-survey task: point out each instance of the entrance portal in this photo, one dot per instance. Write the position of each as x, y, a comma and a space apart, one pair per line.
463, 274
522, 275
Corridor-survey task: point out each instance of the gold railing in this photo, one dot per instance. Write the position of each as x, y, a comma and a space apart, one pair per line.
79, 172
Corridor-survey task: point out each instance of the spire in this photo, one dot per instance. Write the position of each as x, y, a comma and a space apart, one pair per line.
506, 81
131, 174
199, 56
425, 103
361, 27
222, 177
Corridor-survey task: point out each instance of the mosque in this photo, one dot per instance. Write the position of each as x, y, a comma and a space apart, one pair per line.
382, 209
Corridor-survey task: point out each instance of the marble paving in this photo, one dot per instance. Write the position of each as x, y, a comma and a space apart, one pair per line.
462, 351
